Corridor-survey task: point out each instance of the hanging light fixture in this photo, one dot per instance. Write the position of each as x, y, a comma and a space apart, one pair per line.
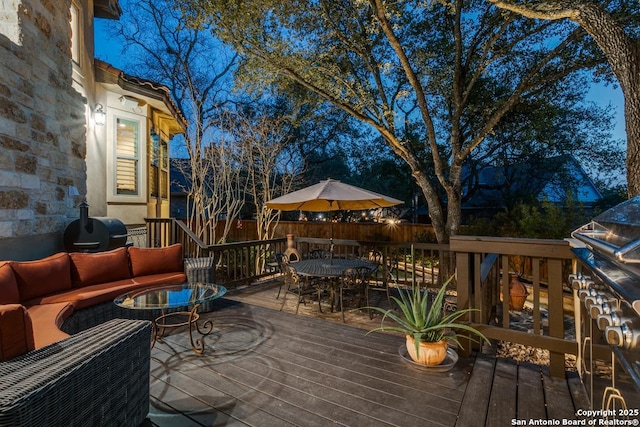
99, 115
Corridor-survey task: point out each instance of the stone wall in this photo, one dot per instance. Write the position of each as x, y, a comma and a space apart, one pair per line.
42, 128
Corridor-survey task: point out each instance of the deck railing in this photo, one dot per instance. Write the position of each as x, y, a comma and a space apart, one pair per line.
483, 265
232, 263
404, 264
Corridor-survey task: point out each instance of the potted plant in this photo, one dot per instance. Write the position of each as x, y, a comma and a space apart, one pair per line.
428, 329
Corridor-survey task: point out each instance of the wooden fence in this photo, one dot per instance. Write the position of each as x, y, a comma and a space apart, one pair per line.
369, 231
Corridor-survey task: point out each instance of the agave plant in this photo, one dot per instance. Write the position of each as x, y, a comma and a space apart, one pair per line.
426, 322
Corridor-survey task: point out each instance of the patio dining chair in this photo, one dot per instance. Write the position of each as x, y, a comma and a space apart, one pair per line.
294, 284
380, 279
282, 261
319, 254
353, 286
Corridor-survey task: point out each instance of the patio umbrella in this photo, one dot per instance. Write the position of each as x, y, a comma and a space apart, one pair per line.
331, 195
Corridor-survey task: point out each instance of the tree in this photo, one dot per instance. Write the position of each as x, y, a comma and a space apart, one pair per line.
197, 69
535, 143
434, 81
269, 164
608, 24
380, 171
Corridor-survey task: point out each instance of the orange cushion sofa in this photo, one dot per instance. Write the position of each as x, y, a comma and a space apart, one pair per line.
68, 354
37, 297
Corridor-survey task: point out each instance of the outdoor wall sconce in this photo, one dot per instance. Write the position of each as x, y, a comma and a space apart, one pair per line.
99, 115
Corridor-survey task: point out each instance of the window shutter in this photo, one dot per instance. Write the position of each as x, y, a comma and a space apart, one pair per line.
127, 157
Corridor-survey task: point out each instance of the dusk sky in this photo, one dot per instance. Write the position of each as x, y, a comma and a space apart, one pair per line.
109, 49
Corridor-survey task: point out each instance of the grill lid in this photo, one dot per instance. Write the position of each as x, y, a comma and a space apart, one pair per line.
615, 232
612, 249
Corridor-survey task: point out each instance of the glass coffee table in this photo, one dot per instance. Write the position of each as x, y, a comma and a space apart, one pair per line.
188, 296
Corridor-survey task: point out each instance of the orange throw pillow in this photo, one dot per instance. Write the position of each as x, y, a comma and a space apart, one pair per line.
146, 261
16, 331
43, 277
8, 286
102, 267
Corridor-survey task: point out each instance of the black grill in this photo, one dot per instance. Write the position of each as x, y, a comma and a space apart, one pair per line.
608, 286
94, 234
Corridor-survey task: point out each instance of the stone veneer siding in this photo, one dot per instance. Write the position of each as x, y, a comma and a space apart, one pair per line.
42, 129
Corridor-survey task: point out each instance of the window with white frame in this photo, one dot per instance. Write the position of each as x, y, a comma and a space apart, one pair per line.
127, 157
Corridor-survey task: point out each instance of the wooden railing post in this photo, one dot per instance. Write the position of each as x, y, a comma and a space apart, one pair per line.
556, 316
463, 283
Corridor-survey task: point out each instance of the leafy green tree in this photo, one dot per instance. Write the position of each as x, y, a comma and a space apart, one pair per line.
378, 169
538, 137
614, 27
541, 220
433, 80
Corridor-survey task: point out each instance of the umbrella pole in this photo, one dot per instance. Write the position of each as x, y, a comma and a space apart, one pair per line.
331, 243
330, 234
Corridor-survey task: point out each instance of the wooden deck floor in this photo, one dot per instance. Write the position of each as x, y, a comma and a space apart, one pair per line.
263, 367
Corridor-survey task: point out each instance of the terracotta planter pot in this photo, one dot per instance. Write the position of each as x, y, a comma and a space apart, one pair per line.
517, 293
431, 353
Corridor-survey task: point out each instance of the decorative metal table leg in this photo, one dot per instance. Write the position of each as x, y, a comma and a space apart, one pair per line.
158, 328
198, 344
154, 332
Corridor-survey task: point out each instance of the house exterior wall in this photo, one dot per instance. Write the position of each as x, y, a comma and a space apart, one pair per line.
167, 127
129, 209
97, 163
53, 155
42, 127
582, 189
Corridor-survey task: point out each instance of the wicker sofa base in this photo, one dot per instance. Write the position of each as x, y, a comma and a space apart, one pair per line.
98, 314
99, 376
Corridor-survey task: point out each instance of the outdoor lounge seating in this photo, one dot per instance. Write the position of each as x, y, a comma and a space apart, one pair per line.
99, 376
67, 285
319, 254
43, 302
281, 260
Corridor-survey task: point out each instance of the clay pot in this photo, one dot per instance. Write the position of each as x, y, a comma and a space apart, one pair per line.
517, 293
430, 354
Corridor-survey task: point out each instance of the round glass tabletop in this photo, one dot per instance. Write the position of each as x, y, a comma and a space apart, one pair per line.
170, 296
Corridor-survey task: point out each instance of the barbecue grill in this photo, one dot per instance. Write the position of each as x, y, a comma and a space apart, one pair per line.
94, 234
608, 286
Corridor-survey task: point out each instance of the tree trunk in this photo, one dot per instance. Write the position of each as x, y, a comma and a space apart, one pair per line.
623, 56
632, 123
434, 204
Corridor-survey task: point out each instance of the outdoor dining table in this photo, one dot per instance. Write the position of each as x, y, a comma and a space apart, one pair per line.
329, 267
